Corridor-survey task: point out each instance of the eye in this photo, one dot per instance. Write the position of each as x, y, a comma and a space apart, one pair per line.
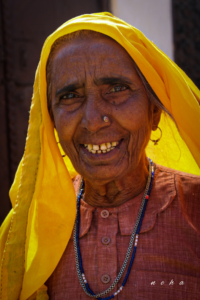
69, 96
118, 88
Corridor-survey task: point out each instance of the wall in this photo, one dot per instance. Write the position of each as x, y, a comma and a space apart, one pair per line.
152, 17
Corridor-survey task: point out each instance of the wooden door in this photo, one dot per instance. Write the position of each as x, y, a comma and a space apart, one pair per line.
24, 26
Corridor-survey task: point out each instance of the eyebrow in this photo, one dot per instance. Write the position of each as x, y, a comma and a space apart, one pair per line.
112, 80
98, 81
69, 88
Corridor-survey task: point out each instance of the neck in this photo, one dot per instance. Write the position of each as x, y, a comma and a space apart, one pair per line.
117, 192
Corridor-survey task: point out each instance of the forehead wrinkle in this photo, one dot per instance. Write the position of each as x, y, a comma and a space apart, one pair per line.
111, 67
88, 68
69, 75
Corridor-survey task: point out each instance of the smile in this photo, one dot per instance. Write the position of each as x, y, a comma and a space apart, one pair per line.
102, 148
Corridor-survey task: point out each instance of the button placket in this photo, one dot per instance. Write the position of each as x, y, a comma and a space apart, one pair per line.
107, 229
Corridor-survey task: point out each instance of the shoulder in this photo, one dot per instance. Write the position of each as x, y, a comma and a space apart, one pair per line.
186, 185
181, 178
187, 190
176, 172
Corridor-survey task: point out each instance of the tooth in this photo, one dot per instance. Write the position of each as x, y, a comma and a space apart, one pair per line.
104, 151
99, 151
108, 145
93, 151
85, 145
103, 146
95, 147
90, 147
114, 144
112, 148
108, 149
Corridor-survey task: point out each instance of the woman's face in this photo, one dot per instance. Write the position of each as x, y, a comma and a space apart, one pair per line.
93, 78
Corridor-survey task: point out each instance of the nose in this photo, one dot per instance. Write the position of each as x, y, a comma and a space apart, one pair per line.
94, 115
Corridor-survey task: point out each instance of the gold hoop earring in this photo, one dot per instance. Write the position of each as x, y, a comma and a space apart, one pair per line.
156, 141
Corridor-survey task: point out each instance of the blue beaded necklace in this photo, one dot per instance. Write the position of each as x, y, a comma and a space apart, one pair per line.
131, 249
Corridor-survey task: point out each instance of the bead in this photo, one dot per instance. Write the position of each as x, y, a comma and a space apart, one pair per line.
132, 246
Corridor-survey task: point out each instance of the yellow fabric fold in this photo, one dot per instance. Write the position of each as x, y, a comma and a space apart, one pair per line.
36, 232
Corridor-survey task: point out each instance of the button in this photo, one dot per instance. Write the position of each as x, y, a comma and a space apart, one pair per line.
104, 213
105, 278
105, 240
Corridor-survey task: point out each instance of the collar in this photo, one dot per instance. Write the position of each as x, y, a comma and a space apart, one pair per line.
162, 194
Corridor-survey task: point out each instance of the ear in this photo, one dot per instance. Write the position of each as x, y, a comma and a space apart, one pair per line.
156, 116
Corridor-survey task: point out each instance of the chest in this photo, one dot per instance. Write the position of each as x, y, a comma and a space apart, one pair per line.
165, 263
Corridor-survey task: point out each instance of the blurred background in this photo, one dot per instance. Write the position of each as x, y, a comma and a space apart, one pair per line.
173, 25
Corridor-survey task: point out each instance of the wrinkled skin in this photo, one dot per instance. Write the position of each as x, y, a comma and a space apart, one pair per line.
92, 78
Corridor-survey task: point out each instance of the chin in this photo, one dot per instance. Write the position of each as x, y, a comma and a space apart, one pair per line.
103, 174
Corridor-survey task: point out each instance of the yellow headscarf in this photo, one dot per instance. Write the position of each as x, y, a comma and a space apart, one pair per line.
36, 231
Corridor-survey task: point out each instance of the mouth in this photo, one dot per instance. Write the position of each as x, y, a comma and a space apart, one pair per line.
102, 148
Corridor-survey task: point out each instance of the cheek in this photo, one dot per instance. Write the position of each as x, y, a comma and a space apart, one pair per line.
65, 128
137, 121
134, 115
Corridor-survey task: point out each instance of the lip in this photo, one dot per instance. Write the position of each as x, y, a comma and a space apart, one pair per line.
101, 142
102, 156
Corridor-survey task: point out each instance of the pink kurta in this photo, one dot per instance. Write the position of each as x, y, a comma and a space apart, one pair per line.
167, 260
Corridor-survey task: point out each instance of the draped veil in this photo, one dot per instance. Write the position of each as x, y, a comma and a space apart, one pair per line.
36, 232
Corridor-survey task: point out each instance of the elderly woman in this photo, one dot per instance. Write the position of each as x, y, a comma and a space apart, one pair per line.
103, 95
